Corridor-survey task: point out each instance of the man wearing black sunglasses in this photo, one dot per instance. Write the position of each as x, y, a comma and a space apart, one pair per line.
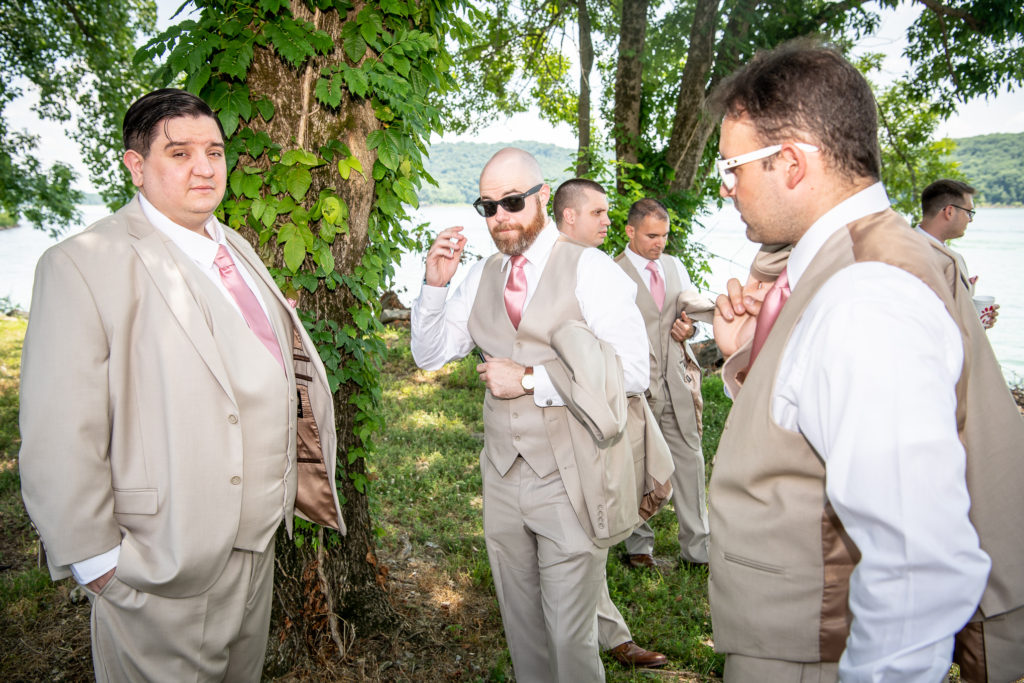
546, 542
947, 206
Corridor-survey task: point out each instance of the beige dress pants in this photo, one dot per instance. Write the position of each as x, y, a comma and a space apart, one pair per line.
611, 627
743, 669
219, 635
547, 572
688, 496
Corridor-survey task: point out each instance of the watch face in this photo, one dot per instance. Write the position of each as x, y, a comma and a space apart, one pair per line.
528, 382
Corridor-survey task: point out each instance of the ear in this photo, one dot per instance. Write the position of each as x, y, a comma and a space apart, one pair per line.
796, 163
568, 216
630, 232
133, 161
544, 194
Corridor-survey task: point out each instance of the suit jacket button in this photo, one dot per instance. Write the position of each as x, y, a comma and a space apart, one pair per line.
516, 437
547, 402
233, 419
236, 480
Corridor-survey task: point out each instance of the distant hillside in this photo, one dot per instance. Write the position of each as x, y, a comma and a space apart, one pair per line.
456, 168
994, 165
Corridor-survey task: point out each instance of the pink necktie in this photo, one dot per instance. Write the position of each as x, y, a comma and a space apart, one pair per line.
657, 285
770, 308
247, 302
515, 290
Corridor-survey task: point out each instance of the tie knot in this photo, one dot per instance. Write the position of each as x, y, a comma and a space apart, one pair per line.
518, 261
653, 268
782, 282
223, 258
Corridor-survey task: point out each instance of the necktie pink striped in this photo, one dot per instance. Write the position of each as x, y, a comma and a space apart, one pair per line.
515, 290
247, 302
657, 285
770, 310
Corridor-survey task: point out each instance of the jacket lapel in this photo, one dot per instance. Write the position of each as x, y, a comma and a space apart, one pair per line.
169, 279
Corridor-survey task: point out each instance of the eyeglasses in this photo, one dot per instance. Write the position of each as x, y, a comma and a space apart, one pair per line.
513, 203
970, 212
725, 166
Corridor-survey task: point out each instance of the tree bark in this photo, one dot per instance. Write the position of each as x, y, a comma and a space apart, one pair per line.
690, 128
583, 152
331, 590
629, 81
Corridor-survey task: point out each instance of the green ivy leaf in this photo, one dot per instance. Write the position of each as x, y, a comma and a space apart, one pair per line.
251, 186
236, 59
344, 169
300, 156
272, 6
323, 257
294, 253
406, 192
235, 182
355, 47
298, 180
266, 108
331, 210
357, 81
198, 79
329, 91
259, 205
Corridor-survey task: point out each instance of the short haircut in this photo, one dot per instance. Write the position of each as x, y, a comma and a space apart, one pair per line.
941, 194
146, 113
569, 195
805, 89
643, 208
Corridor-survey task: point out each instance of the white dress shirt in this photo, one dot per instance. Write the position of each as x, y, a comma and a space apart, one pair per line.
868, 378
202, 250
607, 299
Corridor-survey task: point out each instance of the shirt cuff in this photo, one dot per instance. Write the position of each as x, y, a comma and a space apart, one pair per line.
93, 568
433, 298
544, 393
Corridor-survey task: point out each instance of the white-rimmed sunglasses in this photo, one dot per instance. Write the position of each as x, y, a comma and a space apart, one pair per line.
725, 166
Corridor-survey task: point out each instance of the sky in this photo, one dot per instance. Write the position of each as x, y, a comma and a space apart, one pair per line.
1003, 113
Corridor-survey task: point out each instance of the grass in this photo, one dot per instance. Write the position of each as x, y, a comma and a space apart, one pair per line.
426, 504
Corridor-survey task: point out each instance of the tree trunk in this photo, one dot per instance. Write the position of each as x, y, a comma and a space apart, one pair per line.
629, 81
328, 591
691, 127
583, 152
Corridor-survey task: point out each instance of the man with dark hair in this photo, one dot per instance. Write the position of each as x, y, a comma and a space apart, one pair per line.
554, 497
947, 206
852, 483
667, 299
581, 214
173, 412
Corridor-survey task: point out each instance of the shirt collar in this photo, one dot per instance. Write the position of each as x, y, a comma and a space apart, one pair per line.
929, 235
639, 262
864, 203
200, 249
538, 252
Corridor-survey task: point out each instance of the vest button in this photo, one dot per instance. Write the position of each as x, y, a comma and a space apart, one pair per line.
236, 480
233, 419
516, 437
548, 402
515, 415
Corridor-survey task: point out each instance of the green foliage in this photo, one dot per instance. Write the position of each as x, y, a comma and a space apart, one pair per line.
992, 164
293, 197
456, 168
78, 56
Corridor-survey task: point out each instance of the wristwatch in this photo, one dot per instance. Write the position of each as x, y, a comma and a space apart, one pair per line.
528, 381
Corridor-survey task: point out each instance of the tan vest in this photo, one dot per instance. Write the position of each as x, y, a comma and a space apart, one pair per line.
675, 374
260, 387
781, 561
516, 426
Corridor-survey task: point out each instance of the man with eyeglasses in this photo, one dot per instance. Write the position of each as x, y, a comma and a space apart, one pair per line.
861, 514
947, 206
546, 538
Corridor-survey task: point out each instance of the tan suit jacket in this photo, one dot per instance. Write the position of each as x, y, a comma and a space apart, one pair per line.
128, 421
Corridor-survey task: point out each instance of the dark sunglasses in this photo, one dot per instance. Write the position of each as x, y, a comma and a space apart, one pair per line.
513, 203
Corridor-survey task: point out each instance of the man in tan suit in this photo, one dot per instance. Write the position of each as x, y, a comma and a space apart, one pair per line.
864, 501
667, 301
550, 512
947, 206
173, 412
581, 214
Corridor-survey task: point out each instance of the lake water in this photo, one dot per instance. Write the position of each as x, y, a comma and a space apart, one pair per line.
993, 249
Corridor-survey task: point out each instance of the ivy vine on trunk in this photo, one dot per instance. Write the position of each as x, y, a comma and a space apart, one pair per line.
327, 108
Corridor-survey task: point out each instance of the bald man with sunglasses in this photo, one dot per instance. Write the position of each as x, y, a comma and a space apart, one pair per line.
547, 554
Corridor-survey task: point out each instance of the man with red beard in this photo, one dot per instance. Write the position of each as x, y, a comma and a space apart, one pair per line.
546, 548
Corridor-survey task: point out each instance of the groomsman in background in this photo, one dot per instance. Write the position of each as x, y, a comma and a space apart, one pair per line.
947, 206
667, 300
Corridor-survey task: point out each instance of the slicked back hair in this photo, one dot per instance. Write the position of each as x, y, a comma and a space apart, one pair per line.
146, 113
941, 194
806, 91
643, 208
569, 195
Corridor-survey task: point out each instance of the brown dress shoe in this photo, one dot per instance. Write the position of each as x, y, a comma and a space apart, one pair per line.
632, 655
638, 561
